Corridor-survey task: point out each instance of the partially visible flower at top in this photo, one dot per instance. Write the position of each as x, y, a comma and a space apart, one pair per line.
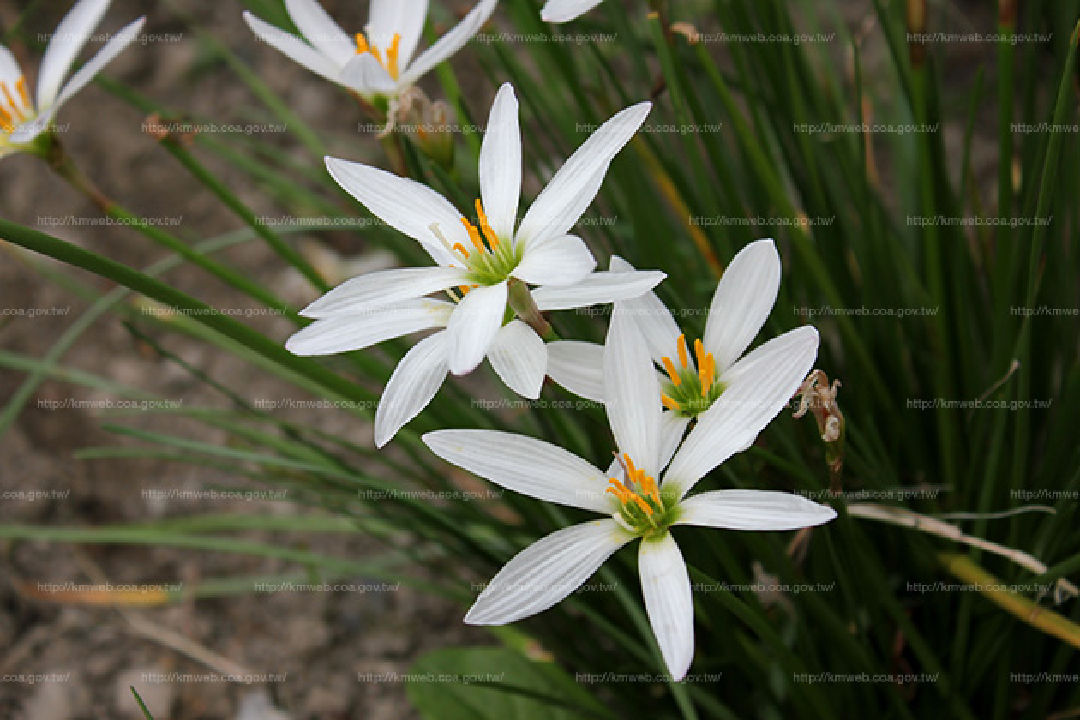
695, 374
559, 11
485, 268
636, 504
23, 120
377, 62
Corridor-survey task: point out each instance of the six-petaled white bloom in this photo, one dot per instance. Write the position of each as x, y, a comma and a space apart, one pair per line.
636, 505
559, 11
377, 62
475, 266
695, 375
23, 120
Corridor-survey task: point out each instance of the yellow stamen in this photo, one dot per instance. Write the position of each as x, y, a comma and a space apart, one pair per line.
16, 110
6, 121
21, 87
669, 403
642, 504
464, 290
461, 249
670, 367
392, 56
682, 350
708, 370
474, 235
485, 227
362, 44
699, 352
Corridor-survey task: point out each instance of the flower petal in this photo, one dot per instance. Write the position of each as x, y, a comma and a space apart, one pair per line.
596, 288
756, 389
68, 39
500, 164
10, 72
403, 204
319, 29
546, 572
668, 602
365, 75
402, 17
519, 357
742, 302
653, 318
632, 394
413, 383
558, 11
342, 333
572, 189
473, 325
383, 288
449, 43
753, 510
525, 465
672, 427
559, 261
578, 366
294, 48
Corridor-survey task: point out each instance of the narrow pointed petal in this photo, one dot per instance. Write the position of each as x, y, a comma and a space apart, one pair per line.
519, 357
559, 261
578, 366
64, 46
449, 43
596, 288
672, 428
365, 75
559, 11
525, 465
668, 602
413, 383
572, 189
756, 389
742, 302
500, 164
10, 72
343, 333
383, 288
294, 48
753, 510
473, 325
402, 17
546, 572
319, 29
403, 204
632, 394
653, 318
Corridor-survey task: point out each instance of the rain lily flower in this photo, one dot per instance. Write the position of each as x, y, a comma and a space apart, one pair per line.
636, 504
377, 62
484, 268
559, 11
23, 120
695, 374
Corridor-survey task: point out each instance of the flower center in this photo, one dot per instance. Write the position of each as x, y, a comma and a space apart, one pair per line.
489, 260
690, 392
15, 107
641, 507
390, 64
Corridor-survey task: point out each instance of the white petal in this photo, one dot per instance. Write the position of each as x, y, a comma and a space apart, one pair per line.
319, 29
558, 11
546, 572
558, 261
756, 389
294, 48
742, 302
413, 383
519, 357
401, 17
449, 43
383, 288
596, 288
353, 332
572, 189
672, 427
403, 204
653, 318
70, 36
473, 325
578, 367
10, 72
632, 394
668, 602
753, 510
500, 164
365, 75
525, 465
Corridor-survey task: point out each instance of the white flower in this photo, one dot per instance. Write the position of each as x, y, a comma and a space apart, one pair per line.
636, 505
695, 374
378, 61
23, 120
559, 11
480, 262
